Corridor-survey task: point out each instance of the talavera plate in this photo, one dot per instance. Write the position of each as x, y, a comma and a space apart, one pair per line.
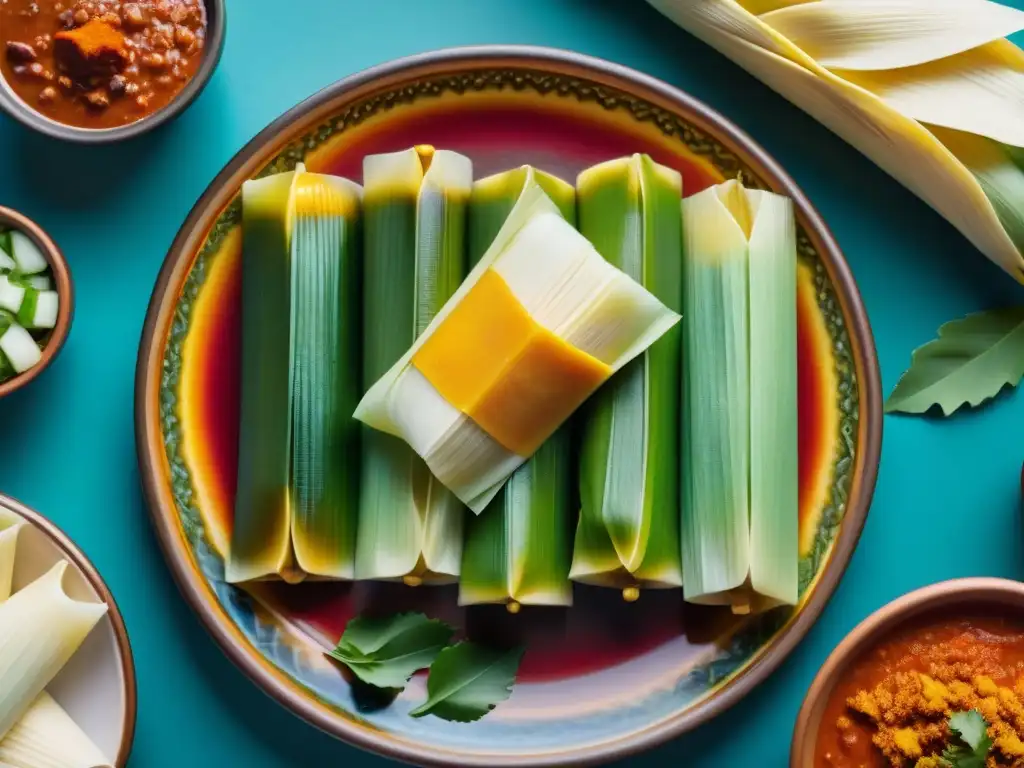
602, 679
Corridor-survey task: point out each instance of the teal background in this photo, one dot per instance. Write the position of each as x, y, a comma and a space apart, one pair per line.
948, 497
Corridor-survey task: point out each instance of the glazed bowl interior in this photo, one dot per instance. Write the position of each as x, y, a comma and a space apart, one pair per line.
97, 686
65, 294
13, 105
950, 599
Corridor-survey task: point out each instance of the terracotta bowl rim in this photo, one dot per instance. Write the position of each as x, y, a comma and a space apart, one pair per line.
78, 558
892, 615
65, 295
313, 111
31, 118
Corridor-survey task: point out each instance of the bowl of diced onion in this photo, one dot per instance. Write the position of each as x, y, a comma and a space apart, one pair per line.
36, 300
67, 679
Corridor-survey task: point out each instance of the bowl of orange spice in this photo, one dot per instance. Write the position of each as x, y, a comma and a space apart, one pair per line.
98, 71
935, 679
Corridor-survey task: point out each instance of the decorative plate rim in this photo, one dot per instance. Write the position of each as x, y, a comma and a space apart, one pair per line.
71, 550
313, 111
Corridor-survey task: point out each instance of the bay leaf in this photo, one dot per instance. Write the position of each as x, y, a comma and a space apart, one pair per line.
467, 681
386, 652
970, 362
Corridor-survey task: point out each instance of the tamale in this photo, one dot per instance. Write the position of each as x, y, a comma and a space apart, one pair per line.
298, 462
538, 325
410, 525
740, 454
628, 532
517, 550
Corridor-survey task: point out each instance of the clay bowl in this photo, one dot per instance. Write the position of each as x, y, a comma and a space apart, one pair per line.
216, 14
65, 291
948, 598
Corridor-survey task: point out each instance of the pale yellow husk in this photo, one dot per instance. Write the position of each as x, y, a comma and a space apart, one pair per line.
881, 74
41, 627
9, 527
45, 736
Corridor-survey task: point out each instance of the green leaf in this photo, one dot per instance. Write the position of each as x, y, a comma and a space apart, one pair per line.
467, 681
386, 652
972, 729
970, 362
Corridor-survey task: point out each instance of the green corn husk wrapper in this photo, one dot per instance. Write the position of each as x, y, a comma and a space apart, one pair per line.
628, 532
298, 464
410, 525
517, 550
740, 472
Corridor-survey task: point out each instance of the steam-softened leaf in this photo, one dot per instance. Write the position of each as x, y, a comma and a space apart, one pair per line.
467, 681
386, 652
970, 362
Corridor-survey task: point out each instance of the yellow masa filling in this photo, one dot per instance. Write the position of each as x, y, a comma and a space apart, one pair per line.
493, 362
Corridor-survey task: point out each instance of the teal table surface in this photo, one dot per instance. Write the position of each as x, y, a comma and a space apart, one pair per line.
948, 497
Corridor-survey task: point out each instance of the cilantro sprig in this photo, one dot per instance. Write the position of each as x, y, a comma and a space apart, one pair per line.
971, 731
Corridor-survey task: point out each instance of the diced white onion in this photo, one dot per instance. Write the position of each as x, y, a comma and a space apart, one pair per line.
27, 254
47, 304
20, 348
11, 295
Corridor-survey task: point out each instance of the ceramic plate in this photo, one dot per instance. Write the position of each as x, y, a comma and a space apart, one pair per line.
97, 686
604, 678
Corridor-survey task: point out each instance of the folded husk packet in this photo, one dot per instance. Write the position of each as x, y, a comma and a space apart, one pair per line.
539, 324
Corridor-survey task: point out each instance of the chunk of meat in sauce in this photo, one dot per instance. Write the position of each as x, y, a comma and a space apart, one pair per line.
91, 50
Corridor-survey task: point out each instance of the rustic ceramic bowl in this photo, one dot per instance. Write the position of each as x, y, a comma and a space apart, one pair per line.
1002, 596
603, 679
65, 293
13, 105
97, 686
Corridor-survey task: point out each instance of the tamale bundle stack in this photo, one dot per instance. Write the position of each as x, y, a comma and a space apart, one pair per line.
628, 533
517, 550
410, 525
538, 325
740, 453
298, 462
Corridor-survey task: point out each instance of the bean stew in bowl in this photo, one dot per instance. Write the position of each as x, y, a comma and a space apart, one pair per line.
97, 70
932, 680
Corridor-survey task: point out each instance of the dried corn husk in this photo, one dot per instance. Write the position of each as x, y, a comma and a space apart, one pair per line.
517, 551
628, 533
928, 89
300, 347
536, 327
410, 525
739, 460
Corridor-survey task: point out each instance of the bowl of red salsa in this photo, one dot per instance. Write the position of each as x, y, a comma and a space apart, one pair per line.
98, 71
934, 679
